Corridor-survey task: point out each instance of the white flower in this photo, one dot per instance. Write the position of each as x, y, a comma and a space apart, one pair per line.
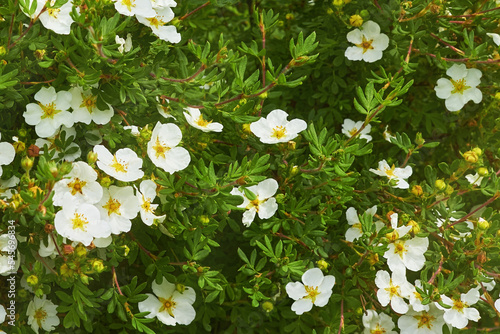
162, 148
42, 313
134, 7
263, 204
7, 154
475, 179
8, 248
3, 314
393, 290
6, 185
103, 242
81, 185
85, 109
164, 110
72, 151
124, 165
169, 305
461, 88
377, 323
50, 112
460, 313
145, 197
461, 235
496, 38
424, 322
369, 43
58, 19
158, 4
158, 22
124, 45
134, 130
387, 134
276, 129
416, 298
49, 250
195, 119
349, 128
80, 222
355, 232
409, 254
315, 290
118, 206
397, 174
497, 304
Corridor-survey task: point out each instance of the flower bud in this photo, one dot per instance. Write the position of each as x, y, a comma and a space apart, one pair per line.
180, 287
359, 312
417, 191
449, 190
482, 171
497, 96
68, 249
440, 185
33, 151
289, 16
204, 219
280, 198
364, 14
48, 228
84, 278
27, 164
483, 224
419, 140
22, 132
80, 250
295, 170
267, 306
91, 157
246, 128
471, 157
60, 56
106, 182
40, 53
356, 20
291, 145
19, 146
478, 151
32, 280
65, 270
338, 3
322, 264
373, 259
263, 96
242, 101
414, 226
98, 266
348, 272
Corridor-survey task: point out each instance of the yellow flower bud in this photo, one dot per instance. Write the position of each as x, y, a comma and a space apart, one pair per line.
98, 266
180, 287
289, 16
471, 157
66, 271
440, 185
373, 259
482, 171
322, 264
478, 151
356, 20
449, 190
246, 128
80, 250
291, 145
338, 3
268, 306
414, 226
106, 182
19, 146
91, 157
40, 53
27, 164
417, 191
483, 224
497, 96
32, 280
204, 219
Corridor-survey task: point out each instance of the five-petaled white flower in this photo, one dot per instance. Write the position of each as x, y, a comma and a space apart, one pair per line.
145, 197
428, 321
196, 120
406, 254
58, 19
460, 313
158, 22
393, 290
397, 174
80, 222
461, 88
369, 43
349, 128
7, 154
81, 185
85, 110
474, 179
416, 298
171, 304
377, 323
42, 313
315, 289
124, 165
50, 112
118, 206
355, 231
276, 129
134, 7
162, 148
263, 204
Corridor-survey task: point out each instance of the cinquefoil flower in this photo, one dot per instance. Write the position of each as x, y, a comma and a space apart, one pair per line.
263, 204
85, 110
50, 112
392, 173
118, 206
355, 232
315, 289
369, 43
377, 323
474, 179
170, 305
393, 290
7, 154
460, 313
42, 313
276, 129
81, 185
145, 197
158, 22
349, 128
134, 7
461, 88
428, 321
162, 148
58, 19
196, 120
124, 165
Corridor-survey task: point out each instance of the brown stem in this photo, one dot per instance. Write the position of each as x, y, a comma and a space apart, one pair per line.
263, 31
11, 24
36, 82
148, 253
46, 265
300, 242
464, 218
194, 11
489, 273
123, 114
469, 15
434, 275
57, 247
446, 198
314, 170
115, 281
463, 60
203, 66
448, 44
341, 326
10, 46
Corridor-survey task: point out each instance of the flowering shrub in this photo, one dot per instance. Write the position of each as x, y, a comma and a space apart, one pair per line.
249, 166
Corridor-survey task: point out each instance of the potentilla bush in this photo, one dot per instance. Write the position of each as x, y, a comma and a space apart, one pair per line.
249, 166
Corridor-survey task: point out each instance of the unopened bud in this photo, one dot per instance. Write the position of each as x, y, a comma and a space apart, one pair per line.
478, 151
180, 287
356, 20
280, 198
98, 266
267, 306
84, 278
33, 151
483, 224
414, 226
322, 264
373, 259
60, 56
246, 128
417, 191
106, 182
3, 51
19, 146
91, 157
80, 250
48, 228
482, 171
291, 145
348, 272
68, 249
22, 132
65, 270
440, 185
263, 96
295, 170
419, 140
27, 164
497, 96
471, 157
32, 280
364, 14
289, 16
40, 53
338, 3
204, 219
449, 190
242, 101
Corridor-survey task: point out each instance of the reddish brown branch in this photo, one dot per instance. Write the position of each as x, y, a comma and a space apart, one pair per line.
194, 11
203, 67
469, 15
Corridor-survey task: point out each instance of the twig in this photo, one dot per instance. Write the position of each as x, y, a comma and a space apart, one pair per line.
434, 275
469, 15
46, 265
57, 247
203, 66
148, 253
263, 31
194, 11
10, 46
448, 44
464, 218
341, 312
463, 60
36, 82
11, 24
123, 114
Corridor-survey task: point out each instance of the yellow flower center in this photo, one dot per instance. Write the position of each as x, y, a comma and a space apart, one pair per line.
112, 206
353, 131
40, 316
79, 222
254, 204
278, 132
399, 248
312, 292
425, 320
390, 172
155, 22
393, 290
365, 44
54, 12
146, 205
76, 186
129, 4
459, 86
201, 122
49, 110
89, 102
118, 167
160, 149
378, 330
167, 305
459, 305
